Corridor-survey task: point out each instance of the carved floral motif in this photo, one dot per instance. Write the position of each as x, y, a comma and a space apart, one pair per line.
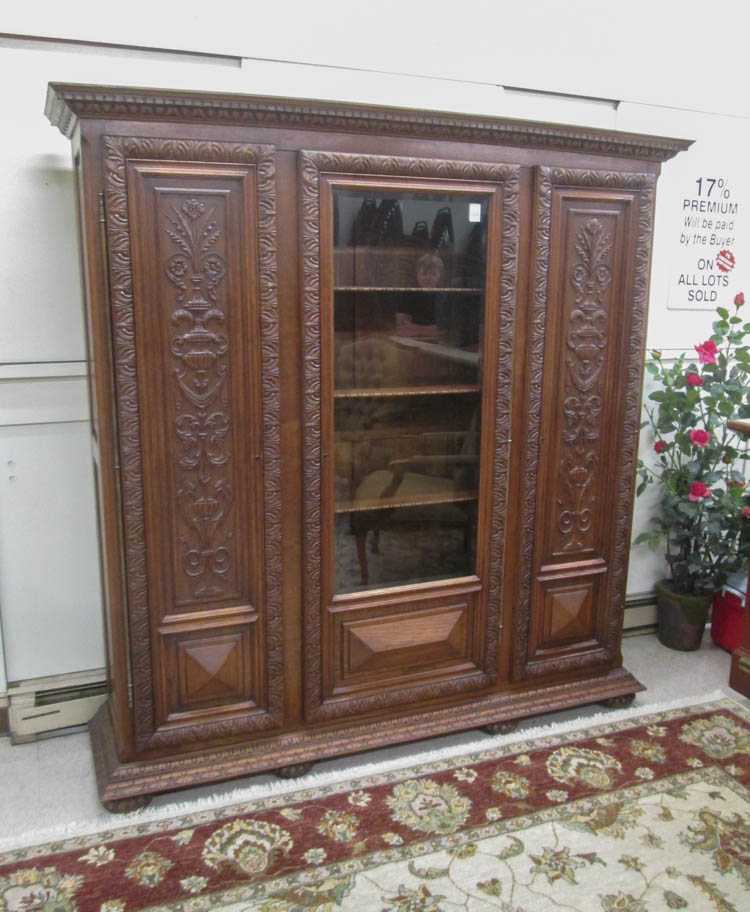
586, 344
202, 423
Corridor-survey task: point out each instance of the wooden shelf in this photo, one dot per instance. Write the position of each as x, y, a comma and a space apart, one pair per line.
392, 503
394, 392
396, 288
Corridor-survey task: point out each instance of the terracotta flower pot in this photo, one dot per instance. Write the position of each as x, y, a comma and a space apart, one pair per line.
682, 618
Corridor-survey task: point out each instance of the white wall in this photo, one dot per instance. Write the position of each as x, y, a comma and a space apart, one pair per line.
658, 60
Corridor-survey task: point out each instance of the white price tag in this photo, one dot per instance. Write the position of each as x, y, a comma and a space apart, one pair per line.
475, 212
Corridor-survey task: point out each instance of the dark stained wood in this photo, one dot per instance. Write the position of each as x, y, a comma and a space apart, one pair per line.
593, 240
127, 805
320, 172
67, 103
500, 728
619, 702
192, 275
294, 770
176, 770
209, 276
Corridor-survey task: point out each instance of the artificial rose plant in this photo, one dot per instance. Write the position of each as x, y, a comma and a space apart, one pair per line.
699, 461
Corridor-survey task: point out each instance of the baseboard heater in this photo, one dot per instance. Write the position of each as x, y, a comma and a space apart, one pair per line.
48, 704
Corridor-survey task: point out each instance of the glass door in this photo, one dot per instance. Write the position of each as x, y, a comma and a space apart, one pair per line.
404, 300
408, 313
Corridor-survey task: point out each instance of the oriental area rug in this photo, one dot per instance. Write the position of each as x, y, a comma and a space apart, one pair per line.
648, 812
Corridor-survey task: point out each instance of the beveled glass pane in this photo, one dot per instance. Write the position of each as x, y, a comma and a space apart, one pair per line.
408, 326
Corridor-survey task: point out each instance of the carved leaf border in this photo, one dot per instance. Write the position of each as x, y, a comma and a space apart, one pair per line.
117, 151
312, 164
643, 185
65, 104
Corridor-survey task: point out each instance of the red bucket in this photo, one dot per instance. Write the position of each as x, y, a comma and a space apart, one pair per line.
727, 620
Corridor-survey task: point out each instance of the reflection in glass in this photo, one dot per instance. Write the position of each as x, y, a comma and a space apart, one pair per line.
408, 333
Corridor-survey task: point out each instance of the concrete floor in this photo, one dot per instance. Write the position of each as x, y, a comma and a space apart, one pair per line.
50, 782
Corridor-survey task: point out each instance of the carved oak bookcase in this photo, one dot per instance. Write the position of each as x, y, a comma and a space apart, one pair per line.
365, 390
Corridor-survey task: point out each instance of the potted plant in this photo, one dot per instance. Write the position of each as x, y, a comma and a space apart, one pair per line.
703, 505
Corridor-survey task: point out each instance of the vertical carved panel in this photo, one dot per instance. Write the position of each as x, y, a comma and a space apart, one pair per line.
191, 233
587, 333
586, 346
202, 424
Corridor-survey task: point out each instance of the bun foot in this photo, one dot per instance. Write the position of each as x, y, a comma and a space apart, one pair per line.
501, 728
294, 770
127, 805
618, 702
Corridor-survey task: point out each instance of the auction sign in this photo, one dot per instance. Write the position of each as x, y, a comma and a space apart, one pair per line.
710, 260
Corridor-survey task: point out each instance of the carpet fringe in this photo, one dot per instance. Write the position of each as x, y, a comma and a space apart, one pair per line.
243, 795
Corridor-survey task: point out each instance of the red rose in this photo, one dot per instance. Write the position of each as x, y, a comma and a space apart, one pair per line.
707, 352
698, 491
694, 380
739, 299
700, 438
660, 446
746, 512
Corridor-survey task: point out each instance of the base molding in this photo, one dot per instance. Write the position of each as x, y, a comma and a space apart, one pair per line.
117, 780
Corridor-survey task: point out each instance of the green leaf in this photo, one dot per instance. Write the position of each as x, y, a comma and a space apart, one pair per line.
428, 873
515, 848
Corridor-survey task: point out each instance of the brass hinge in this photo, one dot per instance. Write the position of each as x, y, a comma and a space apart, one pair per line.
130, 687
102, 210
743, 663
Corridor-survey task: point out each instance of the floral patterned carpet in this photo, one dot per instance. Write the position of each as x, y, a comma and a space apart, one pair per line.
649, 813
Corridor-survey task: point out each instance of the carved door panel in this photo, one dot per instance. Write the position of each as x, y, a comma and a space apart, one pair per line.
587, 332
190, 230
409, 270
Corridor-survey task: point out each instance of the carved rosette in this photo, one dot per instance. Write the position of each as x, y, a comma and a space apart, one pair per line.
195, 269
312, 164
579, 427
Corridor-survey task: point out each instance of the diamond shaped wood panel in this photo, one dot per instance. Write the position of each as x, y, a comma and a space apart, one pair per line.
212, 669
568, 613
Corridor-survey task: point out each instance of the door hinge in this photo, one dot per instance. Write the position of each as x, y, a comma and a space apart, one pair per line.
102, 210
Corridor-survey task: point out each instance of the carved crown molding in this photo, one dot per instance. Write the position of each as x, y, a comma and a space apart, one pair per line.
68, 103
